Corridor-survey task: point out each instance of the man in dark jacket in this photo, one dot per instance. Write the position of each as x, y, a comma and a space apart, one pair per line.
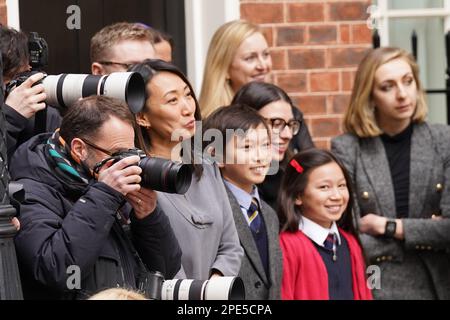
81, 210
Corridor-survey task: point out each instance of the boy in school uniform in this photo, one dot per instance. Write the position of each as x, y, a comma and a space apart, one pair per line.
244, 159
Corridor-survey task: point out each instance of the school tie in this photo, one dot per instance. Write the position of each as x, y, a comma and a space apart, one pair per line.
253, 216
330, 244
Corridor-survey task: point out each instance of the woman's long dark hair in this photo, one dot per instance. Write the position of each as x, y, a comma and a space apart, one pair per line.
294, 184
257, 95
148, 69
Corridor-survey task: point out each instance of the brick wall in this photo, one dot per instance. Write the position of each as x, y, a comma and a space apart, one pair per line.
316, 47
3, 19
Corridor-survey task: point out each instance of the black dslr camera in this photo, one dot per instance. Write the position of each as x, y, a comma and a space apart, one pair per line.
18, 80
38, 49
157, 173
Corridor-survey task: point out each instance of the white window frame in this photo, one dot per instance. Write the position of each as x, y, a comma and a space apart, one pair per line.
383, 14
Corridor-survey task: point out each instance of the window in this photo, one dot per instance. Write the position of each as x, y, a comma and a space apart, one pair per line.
430, 19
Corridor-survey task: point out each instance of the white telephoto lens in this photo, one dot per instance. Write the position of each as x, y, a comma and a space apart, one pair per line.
65, 89
72, 88
167, 291
183, 291
128, 87
50, 84
116, 85
219, 288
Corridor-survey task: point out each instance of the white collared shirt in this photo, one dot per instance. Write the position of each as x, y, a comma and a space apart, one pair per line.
316, 232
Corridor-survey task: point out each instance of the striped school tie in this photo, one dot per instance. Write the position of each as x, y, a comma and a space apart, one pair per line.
253, 216
330, 244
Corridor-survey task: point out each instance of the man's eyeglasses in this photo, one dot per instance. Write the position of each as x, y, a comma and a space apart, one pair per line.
126, 66
93, 145
278, 125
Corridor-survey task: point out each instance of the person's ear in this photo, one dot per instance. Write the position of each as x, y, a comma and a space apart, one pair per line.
78, 147
142, 121
298, 200
210, 151
97, 69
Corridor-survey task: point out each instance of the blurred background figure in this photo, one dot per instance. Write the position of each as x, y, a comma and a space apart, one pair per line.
164, 45
162, 42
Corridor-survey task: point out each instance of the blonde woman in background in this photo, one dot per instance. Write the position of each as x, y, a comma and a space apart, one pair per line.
117, 294
239, 54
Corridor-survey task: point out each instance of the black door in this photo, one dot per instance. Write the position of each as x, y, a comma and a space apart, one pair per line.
69, 49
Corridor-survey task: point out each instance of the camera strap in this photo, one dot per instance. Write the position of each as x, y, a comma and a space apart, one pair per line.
125, 226
99, 165
40, 121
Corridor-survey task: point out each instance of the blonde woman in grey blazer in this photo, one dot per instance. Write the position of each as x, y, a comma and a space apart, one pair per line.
400, 167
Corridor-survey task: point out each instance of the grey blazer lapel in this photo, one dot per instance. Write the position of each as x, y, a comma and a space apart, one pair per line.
273, 243
246, 237
420, 170
376, 166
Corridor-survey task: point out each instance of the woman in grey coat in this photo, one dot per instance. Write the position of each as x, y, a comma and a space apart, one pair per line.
400, 166
201, 218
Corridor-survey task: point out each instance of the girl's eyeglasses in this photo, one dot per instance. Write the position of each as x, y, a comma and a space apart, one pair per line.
278, 125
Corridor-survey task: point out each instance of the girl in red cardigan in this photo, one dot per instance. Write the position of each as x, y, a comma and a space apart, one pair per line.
322, 257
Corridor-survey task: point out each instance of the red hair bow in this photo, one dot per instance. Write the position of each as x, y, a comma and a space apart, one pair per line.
296, 166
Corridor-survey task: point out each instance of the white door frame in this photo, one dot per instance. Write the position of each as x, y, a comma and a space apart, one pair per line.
12, 14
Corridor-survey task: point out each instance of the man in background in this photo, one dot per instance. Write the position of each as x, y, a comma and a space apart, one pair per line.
118, 46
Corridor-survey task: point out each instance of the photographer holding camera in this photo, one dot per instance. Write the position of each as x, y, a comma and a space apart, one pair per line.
25, 100
81, 210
